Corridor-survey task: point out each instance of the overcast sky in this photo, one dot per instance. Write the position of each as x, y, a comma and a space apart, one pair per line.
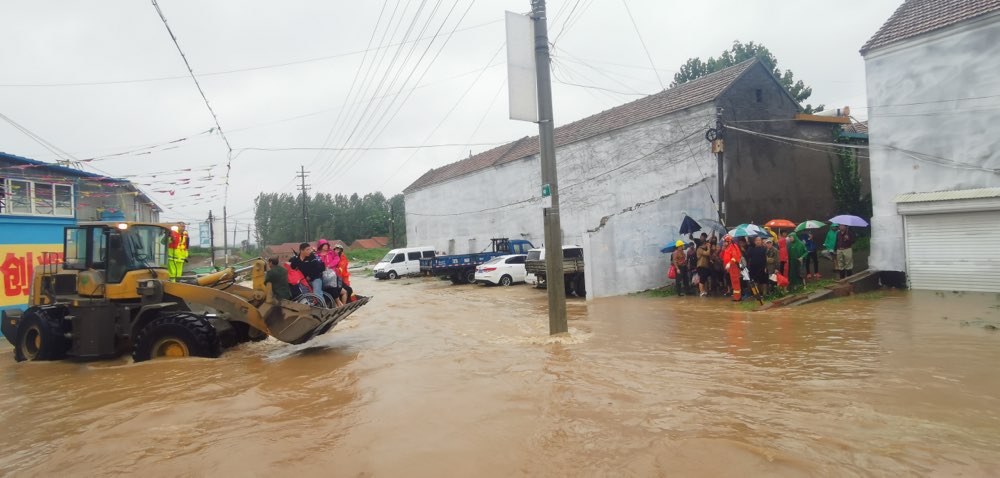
299, 60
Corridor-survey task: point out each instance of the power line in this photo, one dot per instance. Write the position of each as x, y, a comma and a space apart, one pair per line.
227, 72
371, 148
644, 48
229, 147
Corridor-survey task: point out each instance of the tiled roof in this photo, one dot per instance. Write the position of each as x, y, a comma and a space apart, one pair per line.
860, 127
915, 17
984, 193
381, 240
680, 97
366, 244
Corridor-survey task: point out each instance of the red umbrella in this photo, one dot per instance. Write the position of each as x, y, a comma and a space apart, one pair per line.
780, 224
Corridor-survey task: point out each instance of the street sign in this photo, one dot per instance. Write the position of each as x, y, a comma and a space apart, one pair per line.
522, 86
204, 235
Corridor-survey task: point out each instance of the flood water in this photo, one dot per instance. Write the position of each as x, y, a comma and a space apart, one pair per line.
431, 379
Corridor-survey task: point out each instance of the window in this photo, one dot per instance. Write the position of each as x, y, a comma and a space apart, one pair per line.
399, 258
100, 242
572, 253
413, 256
20, 196
76, 249
25, 197
428, 254
516, 260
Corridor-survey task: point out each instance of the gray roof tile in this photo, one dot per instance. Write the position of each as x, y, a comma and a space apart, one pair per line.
916, 17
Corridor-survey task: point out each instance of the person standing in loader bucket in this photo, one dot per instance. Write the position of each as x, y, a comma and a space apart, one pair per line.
177, 251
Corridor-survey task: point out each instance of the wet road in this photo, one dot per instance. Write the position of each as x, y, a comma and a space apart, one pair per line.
431, 379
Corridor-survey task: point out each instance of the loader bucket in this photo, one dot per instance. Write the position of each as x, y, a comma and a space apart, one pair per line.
296, 323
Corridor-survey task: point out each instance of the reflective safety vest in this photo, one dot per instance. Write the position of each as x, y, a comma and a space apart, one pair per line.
178, 240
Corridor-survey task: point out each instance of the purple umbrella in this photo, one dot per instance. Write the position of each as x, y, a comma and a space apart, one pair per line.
849, 220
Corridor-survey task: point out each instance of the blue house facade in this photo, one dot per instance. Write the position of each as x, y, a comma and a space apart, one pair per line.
38, 200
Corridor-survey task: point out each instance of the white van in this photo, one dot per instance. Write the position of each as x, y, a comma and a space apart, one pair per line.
401, 262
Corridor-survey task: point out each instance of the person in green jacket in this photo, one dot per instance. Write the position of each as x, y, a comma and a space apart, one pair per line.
830, 245
796, 251
277, 276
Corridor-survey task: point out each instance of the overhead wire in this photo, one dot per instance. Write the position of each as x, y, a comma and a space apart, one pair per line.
215, 118
224, 72
644, 47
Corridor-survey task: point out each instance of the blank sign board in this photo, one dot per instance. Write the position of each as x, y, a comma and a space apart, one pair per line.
521, 84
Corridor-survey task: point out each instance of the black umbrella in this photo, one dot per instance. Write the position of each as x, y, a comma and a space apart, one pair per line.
689, 225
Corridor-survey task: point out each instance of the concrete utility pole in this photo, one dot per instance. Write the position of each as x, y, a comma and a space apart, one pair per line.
235, 229
211, 239
715, 135
248, 239
554, 280
392, 226
305, 208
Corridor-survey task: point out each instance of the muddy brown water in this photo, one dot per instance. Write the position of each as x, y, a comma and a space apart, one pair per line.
438, 380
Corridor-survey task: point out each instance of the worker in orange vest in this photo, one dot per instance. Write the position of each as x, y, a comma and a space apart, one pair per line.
731, 259
177, 251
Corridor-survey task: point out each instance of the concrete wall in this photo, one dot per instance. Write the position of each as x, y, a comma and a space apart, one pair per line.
933, 70
593, 192
768, 179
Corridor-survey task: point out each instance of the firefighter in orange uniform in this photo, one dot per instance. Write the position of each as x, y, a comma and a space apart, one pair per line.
731, 258
177, 251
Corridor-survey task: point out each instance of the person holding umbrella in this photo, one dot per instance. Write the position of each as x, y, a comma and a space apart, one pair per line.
845, 251
731, 257
680, 261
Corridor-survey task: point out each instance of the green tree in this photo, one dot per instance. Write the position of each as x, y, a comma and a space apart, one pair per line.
278, 217
847, 185
738, 53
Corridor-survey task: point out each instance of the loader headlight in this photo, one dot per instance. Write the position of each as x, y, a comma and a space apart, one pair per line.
122, 226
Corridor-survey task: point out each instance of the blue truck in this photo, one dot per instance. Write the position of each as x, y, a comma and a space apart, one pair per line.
461, 268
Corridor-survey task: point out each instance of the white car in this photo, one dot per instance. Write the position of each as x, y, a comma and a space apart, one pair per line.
503, 270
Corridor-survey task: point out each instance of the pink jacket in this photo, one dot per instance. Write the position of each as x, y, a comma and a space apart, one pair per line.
330, 258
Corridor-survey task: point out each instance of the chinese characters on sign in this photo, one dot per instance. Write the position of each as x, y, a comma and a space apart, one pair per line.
17, 269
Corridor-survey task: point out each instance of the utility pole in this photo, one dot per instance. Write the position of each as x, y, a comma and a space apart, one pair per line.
248, 239
716, 137
554, 280
235, 229
305, 208
392, 226
225, 237
211, 238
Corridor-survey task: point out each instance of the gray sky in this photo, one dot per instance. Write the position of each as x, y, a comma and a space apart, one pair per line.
298, 105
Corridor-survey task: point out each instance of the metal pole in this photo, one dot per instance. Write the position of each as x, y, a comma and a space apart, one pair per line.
235, 228
248, 239
554, 280
225, 238
211, 238
720, 148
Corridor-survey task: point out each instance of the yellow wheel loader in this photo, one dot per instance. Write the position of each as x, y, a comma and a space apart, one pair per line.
111, 295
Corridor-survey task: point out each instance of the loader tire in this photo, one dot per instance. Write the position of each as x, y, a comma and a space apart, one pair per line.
176, 334
40, 337
245, 333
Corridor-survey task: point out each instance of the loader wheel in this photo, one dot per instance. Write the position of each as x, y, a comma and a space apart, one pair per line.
40, 337
177, 334
245, 333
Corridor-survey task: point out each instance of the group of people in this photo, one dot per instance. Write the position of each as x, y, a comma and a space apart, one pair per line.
316, 271
776, 261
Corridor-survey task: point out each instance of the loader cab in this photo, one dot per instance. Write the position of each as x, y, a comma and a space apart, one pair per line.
106, 257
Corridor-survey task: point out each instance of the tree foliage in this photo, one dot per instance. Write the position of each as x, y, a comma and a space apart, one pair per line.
740, 52
847, 184
278, 217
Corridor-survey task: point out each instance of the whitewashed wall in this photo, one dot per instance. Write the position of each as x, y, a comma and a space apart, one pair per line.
662, 185
957, 62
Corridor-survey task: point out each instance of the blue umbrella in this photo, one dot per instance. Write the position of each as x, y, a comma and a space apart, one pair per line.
689, 225
849, 220
673, 247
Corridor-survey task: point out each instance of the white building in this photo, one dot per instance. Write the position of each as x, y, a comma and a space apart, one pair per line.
627, 175
933, 74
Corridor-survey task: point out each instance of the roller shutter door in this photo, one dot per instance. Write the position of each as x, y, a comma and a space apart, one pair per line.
953, 251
